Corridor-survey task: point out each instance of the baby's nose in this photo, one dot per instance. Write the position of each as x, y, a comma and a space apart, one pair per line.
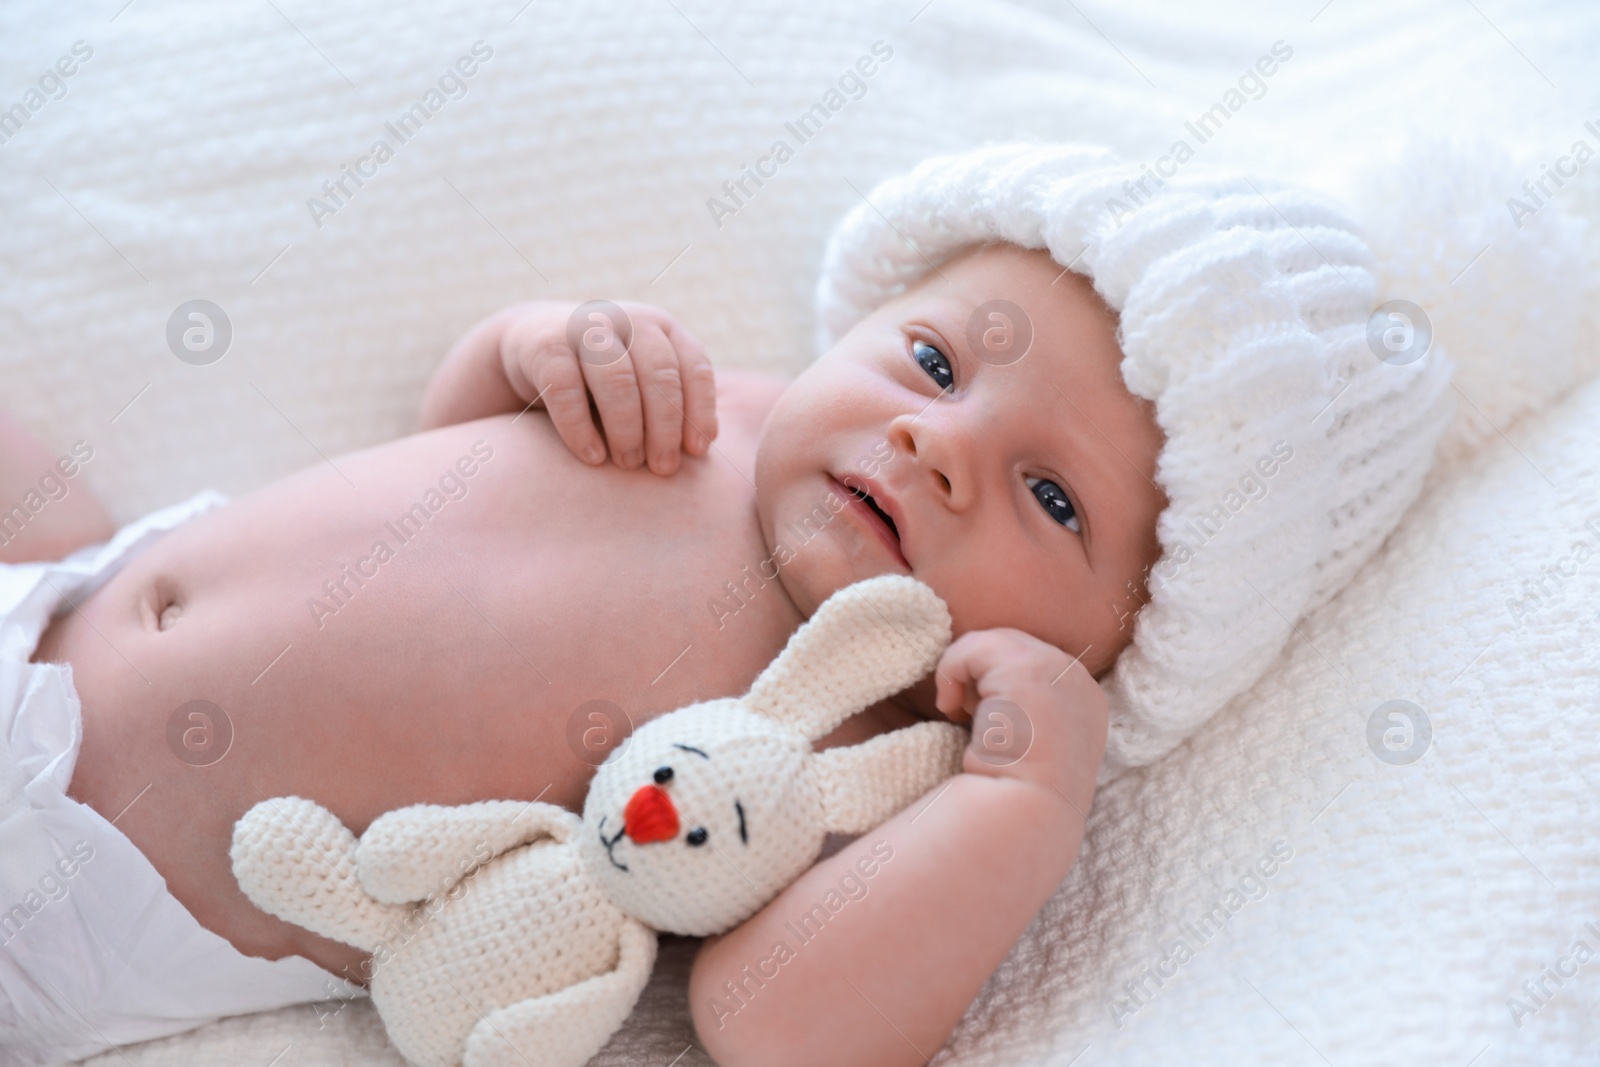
940, 446
650, 816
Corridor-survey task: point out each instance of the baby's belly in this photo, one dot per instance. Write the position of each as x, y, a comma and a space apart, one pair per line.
432, 621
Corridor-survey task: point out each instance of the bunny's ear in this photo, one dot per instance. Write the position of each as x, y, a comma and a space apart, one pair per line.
867, 641
864, 784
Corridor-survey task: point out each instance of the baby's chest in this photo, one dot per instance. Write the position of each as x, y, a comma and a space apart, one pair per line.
576, 605
651, 579
650, 611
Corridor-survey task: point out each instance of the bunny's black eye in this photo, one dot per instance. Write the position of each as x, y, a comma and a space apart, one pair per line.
697, 836
663, 775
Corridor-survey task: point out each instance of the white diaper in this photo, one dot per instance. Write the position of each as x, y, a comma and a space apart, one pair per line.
94, 952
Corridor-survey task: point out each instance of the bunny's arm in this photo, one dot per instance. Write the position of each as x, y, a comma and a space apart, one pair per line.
294, 859
566, 1028
409, 853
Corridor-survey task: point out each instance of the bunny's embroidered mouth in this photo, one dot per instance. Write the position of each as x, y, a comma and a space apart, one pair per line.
611, 844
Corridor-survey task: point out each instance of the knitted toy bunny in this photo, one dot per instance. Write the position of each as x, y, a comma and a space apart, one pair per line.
514, 932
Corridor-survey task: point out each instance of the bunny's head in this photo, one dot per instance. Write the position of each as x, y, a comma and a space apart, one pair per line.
707, 813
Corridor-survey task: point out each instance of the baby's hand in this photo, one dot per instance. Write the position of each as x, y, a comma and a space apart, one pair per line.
1037, 714
650, 380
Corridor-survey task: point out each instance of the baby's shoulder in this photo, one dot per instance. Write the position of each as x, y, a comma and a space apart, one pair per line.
746, 396
751, 382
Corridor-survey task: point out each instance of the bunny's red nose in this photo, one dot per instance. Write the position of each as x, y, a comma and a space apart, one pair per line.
650, 816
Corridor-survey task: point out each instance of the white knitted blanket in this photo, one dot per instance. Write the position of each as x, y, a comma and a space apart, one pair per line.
579, 159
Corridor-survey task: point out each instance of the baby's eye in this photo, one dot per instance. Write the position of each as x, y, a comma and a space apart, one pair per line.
934, 362
1055, 501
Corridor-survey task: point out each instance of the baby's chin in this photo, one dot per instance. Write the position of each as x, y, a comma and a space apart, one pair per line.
816, 551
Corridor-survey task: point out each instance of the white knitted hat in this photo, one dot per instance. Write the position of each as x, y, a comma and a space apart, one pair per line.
1244, 309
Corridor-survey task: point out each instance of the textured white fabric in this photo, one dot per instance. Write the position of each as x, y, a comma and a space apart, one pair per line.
191, 142
623, 122
504, 928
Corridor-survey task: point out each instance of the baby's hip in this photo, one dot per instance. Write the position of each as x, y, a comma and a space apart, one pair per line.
93, 945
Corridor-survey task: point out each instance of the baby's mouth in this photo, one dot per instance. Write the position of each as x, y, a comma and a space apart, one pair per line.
875, 515
866, 498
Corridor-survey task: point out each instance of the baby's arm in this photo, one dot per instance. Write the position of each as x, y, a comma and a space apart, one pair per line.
885, 976
653, 388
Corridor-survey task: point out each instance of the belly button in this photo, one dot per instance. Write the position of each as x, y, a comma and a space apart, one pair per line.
161, 606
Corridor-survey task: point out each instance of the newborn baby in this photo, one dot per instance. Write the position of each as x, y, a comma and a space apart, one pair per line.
450, 673
437, 619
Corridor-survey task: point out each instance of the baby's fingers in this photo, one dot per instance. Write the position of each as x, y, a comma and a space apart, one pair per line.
661, 389
992, 663
552, 375
699, 391
614, 383
956, 677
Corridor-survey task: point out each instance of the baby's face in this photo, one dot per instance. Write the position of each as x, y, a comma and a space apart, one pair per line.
1021, 492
